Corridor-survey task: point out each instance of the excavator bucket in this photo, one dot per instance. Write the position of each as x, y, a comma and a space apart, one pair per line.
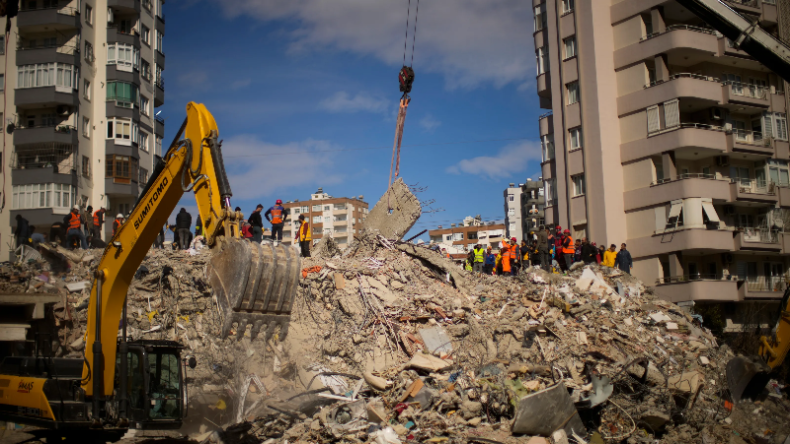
255, 284
746, 377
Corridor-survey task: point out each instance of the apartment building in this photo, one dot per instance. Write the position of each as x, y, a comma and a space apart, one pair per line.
664, 135
524, 206
513, 213
338, 217
470, 232
81, 81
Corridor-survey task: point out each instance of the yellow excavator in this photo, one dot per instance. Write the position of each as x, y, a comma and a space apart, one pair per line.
141, 384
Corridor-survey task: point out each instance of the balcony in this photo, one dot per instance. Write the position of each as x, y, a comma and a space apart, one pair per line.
115, 188
761, 287
752, 190
46, 163
116, 34
30, 55
749, 142
124, 5
756, 239
746, 94
706, 140
159, 93
159, 126
697, 288
678, 85
47, 19
343, 222
700, 239
46, 96
679, 187
64, 134
159, 57
677, 38
544, 85
748, 6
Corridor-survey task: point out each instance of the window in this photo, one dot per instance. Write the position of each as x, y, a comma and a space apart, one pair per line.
144, 105
159, 79
142, 142
2, 44
124, 131
145, 35
124, 94
159, 46
575, 138
43, 195
511, 212
143, 176
568, 6
671, 116
540, 17
573, 92
316, 207
551, 191
86, 166
158, 146
775, 125
123, 56
46, 74
511, 197
570, 47
778, 172
2, 82
548, 147
542, 62
122, 168
86, 127
578, 184
89, 56
145, 69
317, 219
88, 14
305, 210
86, 89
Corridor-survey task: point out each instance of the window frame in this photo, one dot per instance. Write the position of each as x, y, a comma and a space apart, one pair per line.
86, 127
88, 14
579, 183
570, 43
573, 92
145, 34
577, 131
568, 6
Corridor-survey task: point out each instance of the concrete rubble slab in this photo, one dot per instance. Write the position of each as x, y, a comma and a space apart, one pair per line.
394, 214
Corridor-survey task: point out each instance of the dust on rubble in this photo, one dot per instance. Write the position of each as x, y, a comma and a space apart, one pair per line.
390, 343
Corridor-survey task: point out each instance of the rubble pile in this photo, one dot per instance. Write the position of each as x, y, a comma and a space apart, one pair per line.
390, 342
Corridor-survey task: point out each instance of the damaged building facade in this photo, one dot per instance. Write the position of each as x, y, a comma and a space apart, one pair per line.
663, 135
337, 217
468, 233
82, 83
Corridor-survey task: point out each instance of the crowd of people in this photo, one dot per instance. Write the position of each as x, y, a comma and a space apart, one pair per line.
80, 228
552, 249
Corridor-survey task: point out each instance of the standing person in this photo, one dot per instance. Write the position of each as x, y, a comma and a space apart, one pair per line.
525, 253
98, 221
599, 253
86, 220
588, 252
480, 259
278, 215
246, 230
159, 243
305, 236
558, 240
445, 253
506, 257
74, 228
199, 226
544, 234
623, 260
490, 261
568, 249
116, 224
257, 224
22, 231
183, 224
609, 256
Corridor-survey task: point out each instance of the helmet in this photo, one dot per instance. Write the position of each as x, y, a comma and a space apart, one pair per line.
119, 216
76, 207
594, 244
513, 239
567, 231
559, 228
279, 201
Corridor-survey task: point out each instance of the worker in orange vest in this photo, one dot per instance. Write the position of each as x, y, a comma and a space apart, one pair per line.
116, 224
278, 215
74, 222
98, 220
568, 248
506, 257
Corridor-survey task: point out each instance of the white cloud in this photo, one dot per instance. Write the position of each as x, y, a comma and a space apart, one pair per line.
429, 123
193, 79
239, 84
258, 169
509, 160
468, 41
342, 102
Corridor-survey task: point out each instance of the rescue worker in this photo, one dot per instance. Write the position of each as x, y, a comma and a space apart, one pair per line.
98, 221
558, 239
183, 224
116, 224
568, 248
609, 256
479, 258
199, 226
445, 253
506, 257
87, 223
490, 261
257, 224
623, 260
74, 228
22, 231
278, 215
305, 236
36, 238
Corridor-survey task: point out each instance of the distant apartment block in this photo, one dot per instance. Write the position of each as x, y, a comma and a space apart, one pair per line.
82, 82
471, 231
338, 217
513, 213
664, 135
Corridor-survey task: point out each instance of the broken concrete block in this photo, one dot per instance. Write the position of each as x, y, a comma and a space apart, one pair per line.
428, 362
377, 413
687, 382
436, 340
543, 412
559, 437
394, 214
77, 286
474, 422
537, 440
704, 360
340, 281
654, 420
376, 382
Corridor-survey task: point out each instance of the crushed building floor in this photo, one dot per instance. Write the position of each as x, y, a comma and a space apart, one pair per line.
390, 342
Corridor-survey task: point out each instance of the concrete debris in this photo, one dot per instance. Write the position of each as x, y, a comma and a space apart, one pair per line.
390, 342
394, 214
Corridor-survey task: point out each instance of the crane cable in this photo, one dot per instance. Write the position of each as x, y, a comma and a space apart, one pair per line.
406, 78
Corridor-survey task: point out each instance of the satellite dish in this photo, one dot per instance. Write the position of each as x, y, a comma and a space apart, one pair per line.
10, 128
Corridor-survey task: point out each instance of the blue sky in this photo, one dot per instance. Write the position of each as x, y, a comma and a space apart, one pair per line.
305, 94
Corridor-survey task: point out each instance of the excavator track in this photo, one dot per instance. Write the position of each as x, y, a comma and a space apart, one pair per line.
255, 285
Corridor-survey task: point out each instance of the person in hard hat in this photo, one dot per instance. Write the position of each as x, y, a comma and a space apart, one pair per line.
74, 228
568, 248
277, 216
116, 224
98, 221
305, 237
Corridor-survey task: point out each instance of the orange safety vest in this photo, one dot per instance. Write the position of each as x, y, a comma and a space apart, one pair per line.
115, 225
571, 249
277, 215
96, 219
74, 222
505, 252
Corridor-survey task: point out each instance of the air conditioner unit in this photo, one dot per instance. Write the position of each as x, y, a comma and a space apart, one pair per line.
63, 110
729, 210
722, 161
717, 114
